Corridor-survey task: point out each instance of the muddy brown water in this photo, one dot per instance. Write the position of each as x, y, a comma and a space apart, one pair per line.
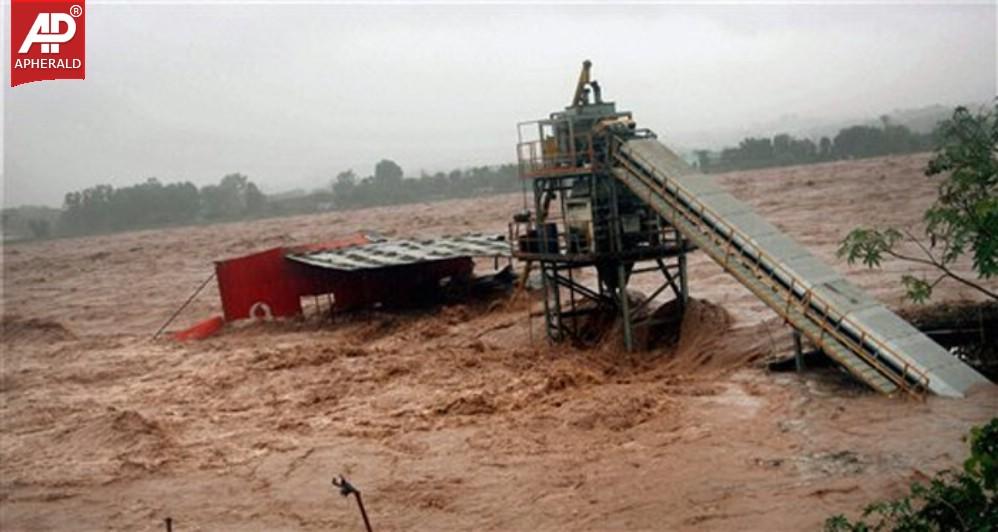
458, 418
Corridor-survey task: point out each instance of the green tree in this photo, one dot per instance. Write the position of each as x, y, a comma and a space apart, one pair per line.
858, 142
343, 187
235, 196
953, 500
212, 202
963, 218
387, 173
825, 149
184, 201
255, 200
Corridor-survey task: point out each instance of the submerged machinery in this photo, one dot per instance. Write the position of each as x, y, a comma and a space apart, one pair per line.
585, 219
610, 201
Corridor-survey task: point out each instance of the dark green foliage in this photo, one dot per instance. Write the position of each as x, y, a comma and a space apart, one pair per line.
388, 187
234, 197
963, 218
254, 199
953, 500
387, 173
983, 461
866, 141
103, 208
343, 187
868, 245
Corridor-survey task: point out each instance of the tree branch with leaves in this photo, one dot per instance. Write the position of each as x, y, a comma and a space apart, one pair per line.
964, 217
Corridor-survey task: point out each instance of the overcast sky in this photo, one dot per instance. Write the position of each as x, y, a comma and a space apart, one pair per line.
292, 94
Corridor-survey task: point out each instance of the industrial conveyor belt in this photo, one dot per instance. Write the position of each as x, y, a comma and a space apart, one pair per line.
854, 329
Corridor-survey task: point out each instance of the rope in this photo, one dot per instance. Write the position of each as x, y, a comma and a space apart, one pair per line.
182, 307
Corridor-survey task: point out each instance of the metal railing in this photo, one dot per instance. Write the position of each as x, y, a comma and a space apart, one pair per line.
562, 244
544, 158
809, 303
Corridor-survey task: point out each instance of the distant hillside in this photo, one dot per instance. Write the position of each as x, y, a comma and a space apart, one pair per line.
922, 119
918, 120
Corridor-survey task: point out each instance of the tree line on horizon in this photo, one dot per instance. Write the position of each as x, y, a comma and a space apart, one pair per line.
104, 208
388, 186
854, 142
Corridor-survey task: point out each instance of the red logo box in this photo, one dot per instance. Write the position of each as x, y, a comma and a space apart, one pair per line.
47, 40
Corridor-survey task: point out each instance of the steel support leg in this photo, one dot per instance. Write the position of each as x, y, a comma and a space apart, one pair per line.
684, 287
798, 352
625, 305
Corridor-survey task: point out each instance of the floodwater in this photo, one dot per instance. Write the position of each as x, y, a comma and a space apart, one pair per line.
461, 417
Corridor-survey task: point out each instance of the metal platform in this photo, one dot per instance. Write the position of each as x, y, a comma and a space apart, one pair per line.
860, 333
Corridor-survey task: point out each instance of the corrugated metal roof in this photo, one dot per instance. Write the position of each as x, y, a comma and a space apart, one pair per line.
400, 252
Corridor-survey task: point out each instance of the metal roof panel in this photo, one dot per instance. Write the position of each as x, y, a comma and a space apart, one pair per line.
409, 251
